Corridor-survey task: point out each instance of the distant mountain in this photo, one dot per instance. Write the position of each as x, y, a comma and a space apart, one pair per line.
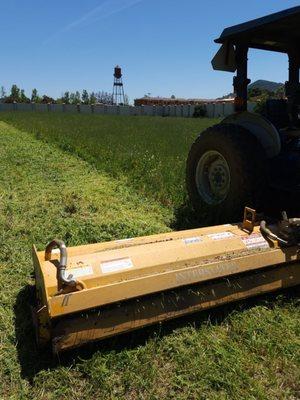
260, 84
266, 85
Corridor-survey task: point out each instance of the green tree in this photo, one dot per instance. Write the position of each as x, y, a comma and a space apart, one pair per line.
34, 96
46, 100
14, 93
254, 92
66, 97
72, 98
85, 97
77, 97
2, 92
93, 98
280, 92
23, 97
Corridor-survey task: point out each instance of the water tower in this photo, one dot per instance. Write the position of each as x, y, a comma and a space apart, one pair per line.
118, 89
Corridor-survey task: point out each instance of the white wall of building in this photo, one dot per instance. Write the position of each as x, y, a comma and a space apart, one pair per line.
214, 110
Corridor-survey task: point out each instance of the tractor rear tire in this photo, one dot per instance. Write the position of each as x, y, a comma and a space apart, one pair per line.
226, 171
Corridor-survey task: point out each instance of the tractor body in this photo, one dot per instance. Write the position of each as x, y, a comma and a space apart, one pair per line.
249, 158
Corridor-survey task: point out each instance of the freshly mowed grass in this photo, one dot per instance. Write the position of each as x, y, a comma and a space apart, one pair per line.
148, 152
47, 193
245, 351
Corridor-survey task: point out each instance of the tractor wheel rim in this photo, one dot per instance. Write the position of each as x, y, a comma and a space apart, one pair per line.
213, 177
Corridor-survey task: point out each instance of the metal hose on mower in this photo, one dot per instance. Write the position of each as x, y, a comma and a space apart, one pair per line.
62, 279
270, 235
288, 227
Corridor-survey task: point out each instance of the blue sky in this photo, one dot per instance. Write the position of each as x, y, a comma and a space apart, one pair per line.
163, 46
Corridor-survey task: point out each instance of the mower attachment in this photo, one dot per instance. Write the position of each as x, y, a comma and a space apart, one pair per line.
92, 292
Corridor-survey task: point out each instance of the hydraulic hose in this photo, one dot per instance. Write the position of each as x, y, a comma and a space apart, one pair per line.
270, 235
62, 279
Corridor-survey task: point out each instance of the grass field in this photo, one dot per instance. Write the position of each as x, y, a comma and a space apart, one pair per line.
245, 351
149, 153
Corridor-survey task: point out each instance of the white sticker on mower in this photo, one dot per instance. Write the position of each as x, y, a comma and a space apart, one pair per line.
56, 251
124, 240
116, 265
192, 240
80, 272
221, 235
255, 241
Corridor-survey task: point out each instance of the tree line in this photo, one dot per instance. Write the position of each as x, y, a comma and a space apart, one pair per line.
18, 95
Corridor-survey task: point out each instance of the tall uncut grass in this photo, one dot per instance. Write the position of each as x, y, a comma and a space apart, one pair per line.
149, 152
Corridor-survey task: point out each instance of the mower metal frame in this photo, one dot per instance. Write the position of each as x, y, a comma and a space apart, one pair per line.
172, 275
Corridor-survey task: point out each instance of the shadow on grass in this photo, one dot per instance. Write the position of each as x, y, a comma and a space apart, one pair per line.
276, 201
32, 360
185, 218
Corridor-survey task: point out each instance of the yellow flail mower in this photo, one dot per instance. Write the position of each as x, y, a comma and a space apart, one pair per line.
96, 291
92, 292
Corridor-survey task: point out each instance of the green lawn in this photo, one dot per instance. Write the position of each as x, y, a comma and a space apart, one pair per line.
245, 351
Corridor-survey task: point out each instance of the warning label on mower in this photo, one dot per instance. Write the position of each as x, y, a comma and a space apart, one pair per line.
255, 241
191, 240
221, 235
82, 271
116, 265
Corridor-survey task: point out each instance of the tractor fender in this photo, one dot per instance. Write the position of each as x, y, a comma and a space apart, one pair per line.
259, 126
